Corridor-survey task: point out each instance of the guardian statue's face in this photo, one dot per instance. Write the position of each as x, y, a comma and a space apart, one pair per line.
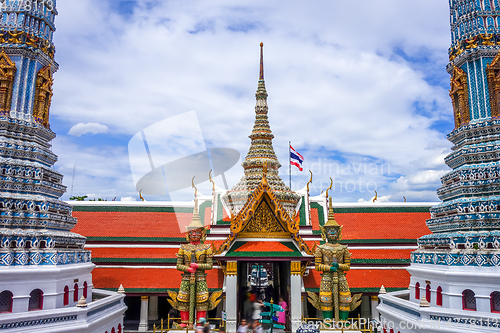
195, 235
332, 234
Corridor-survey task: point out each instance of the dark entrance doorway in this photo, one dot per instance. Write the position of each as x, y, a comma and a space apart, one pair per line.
259, 280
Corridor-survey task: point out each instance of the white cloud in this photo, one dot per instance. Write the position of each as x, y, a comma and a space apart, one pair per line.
384, 198
81, 129
340, 82
128, 199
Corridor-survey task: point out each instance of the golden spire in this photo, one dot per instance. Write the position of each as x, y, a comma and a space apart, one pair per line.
331, 218
261, 75
195, 222
261, 151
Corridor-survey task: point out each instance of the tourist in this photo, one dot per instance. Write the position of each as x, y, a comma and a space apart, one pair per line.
243, 328
257, 327
257, 308
282, 314
248, 308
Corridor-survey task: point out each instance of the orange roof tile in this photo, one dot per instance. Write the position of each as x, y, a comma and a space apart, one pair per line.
131, 224
147, 278
366, 278
314, 218
410, 225
134, 252
208, 216
380, 254
263, 247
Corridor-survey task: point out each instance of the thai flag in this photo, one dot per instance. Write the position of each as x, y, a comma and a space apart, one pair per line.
295, 158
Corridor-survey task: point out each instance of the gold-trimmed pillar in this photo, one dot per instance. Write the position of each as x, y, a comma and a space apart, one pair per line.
231, 295
143, 323
374, 304
295, 295
7, 74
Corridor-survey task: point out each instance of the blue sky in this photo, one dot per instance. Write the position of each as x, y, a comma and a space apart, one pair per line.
360, 90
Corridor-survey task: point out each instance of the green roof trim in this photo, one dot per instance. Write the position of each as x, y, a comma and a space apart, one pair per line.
138, 239
136, 260
321, 213
203, 206
347, 210
302, 212
136, 209
380, 261
220, 214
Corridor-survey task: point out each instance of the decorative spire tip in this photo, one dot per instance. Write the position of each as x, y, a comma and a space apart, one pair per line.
261, 75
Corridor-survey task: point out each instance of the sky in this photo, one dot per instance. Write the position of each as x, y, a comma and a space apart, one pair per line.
358, 87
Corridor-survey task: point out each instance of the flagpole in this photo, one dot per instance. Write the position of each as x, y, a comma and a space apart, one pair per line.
290, 163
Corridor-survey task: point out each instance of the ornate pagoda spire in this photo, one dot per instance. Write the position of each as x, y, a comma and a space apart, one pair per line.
261, 147
261, 152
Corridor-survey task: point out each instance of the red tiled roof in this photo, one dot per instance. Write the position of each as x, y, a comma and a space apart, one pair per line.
394, 225
208, 216
263, 247
380, 254
217, 243
147, 278
131, 224
134, 252
314, 218
366, 278
225, 217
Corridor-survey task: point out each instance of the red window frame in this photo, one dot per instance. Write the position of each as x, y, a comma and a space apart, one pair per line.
85, 289
465, 294
417, 291
75, 293
38, 306
439, 296
493, 297
10, 295
66, 296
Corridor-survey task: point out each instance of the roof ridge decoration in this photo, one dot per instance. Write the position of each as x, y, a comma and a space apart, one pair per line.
263, 195
261, 151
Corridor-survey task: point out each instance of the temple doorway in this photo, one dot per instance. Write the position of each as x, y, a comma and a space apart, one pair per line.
261, 280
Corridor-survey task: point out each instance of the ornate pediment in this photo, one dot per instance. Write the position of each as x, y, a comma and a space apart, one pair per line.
263, 210
263, 216
263, 223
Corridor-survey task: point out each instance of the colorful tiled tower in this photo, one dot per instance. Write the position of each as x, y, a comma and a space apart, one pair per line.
41, 261
261, 152
456, 269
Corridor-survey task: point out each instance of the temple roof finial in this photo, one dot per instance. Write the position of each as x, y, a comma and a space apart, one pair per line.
261, 75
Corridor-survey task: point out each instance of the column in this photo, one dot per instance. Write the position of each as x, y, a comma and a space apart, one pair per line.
231, 295
143, 323
295, 295
374, 304
153, 308
365, 307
